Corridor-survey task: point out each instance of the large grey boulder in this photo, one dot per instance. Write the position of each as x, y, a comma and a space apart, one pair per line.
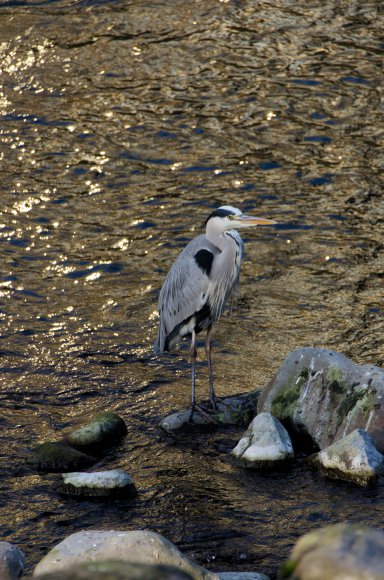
11, 561
338, 552
117, 570
354, 458
134, 546
264, 444
326, 395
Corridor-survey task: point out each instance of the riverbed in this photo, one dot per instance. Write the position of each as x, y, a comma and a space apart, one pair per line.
123, 125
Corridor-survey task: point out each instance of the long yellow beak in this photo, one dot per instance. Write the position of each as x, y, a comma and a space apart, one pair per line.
250, 220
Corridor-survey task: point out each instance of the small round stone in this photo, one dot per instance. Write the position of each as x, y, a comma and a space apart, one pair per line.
98, 484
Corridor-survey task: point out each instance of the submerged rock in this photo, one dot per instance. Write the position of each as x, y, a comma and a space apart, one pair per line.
11, 561
103, 430
117, 570
326, 395
134, 546
56, 457
354, 458
342, 551
237, 410
265, 443
98, 484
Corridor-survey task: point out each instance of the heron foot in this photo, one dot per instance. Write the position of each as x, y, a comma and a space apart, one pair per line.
205, 413
214, 400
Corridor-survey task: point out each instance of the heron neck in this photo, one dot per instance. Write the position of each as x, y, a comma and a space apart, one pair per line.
222, 240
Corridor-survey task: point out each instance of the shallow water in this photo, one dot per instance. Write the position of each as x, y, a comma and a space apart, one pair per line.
122, 125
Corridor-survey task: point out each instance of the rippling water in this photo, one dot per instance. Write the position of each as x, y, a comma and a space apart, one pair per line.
123, 123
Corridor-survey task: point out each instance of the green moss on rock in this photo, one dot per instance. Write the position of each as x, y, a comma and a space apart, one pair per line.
287, 569
283, 405
58, 457
335, 376
358, 399
104, 429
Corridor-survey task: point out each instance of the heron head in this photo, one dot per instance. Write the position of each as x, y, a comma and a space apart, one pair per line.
227, 218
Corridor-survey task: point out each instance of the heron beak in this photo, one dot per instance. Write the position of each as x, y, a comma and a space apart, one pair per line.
249, 220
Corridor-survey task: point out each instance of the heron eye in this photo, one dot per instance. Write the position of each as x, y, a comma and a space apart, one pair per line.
231, 216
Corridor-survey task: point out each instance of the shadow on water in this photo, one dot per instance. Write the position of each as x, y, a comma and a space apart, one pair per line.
123, 125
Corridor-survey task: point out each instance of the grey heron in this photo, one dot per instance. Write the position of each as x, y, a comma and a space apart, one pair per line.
199, 284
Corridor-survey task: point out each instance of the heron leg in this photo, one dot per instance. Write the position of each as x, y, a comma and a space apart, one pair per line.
208, 349
212, 396
193, 353
194, 406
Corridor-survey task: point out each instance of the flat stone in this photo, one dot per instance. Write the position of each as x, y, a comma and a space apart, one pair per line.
342, 551
139, 546
326, 395
117, 570
264, 444
185, 422
354, 458
12, 561
238, 410
114, 482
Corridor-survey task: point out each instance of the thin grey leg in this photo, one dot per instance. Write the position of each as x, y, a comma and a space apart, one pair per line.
208, 349
195, 407
193, 353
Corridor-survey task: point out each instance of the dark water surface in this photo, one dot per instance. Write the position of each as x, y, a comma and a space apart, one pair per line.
123, 123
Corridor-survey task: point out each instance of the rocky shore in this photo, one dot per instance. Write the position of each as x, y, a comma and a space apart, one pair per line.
339, 551
318, 395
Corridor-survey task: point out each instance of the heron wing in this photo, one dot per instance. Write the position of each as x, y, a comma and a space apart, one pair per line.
186, 288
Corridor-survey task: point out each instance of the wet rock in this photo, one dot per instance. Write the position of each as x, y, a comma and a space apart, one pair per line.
265, 443
103, 430
98, 484
354, 458
117, 570
326, 395
242, 576
134, 546
342, 551
56, 457
11, 561
185, 422
238, 410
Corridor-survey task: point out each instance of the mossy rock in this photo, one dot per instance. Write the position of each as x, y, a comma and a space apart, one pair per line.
104, 429
324, 395
57, 457
338, 551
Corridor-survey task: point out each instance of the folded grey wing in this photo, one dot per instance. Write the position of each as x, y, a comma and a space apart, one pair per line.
184, 292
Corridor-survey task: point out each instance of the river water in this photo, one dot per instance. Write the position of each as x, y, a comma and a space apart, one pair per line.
123, 124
